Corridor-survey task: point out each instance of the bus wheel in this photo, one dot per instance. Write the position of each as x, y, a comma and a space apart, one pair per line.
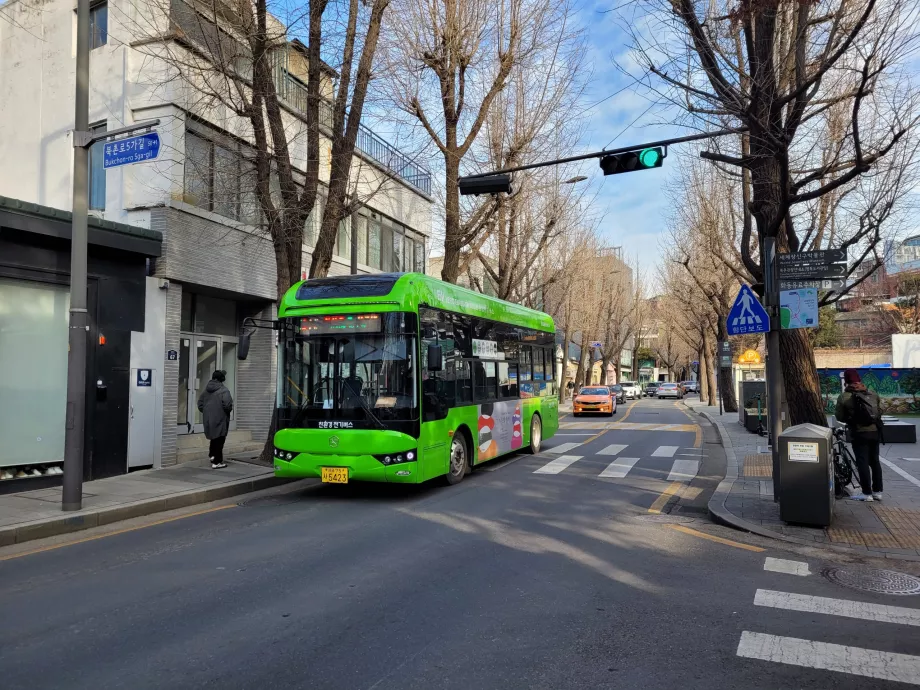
536, 435
459, 459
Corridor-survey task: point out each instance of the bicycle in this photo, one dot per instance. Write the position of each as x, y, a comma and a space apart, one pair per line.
845, 470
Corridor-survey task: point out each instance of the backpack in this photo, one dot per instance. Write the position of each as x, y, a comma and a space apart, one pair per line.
865, 410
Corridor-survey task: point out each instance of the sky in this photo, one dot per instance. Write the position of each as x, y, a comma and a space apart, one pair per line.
632, 207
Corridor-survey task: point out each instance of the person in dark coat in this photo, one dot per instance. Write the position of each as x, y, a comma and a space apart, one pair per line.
864, 437
215, 405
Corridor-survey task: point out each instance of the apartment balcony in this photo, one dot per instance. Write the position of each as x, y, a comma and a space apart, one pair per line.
294, 93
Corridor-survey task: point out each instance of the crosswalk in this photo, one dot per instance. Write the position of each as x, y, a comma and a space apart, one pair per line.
683, 469
817, 654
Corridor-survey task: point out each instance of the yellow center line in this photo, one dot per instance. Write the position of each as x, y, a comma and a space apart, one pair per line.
720, 540
628, 412
660, 502
112, 534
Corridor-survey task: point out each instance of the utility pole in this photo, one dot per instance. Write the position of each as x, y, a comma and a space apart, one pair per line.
774, 365
78, 334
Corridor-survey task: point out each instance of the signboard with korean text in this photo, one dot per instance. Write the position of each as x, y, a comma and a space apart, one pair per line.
824, 269
143, 147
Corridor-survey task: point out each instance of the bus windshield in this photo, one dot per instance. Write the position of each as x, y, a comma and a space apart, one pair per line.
350, 371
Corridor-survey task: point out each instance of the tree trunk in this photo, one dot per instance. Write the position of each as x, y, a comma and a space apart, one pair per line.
801, 378
450, 271
563, 375
702, 376
604, 362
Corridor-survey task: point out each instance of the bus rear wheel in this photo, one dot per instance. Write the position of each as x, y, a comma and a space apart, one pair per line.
536, 434
459, 459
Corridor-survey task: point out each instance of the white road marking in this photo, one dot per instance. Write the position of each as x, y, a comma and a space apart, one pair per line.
691, 455
556, 466
910, 459
832, 657
683, 470
781, 565
574, 433
879, 613
562, 448
909, 477
615, 449
619, 468
665, 452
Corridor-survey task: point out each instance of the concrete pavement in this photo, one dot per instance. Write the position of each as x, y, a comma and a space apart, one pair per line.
526, 575
890, 528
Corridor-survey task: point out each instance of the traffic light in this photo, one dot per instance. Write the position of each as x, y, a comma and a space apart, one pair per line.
489, 184
630, 161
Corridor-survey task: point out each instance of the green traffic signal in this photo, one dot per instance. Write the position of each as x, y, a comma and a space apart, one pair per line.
650, 158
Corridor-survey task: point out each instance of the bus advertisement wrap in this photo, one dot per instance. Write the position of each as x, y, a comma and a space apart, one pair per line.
500, 428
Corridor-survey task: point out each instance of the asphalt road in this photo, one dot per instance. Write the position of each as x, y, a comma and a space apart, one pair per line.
516, 578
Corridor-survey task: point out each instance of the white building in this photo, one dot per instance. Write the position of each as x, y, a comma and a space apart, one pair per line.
216, 267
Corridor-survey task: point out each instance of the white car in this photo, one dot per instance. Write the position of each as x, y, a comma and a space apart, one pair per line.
669, 390
631, 389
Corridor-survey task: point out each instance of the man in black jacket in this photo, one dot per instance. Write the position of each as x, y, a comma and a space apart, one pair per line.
865, 434
215, 405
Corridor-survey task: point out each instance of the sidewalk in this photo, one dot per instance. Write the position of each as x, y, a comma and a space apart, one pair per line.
744, 499
37, 514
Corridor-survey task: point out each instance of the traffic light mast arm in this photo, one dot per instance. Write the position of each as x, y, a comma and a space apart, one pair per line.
608, 152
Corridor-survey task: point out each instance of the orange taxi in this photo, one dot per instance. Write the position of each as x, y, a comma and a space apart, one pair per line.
594, 399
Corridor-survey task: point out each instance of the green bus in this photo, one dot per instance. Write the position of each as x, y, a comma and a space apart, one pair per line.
403, 378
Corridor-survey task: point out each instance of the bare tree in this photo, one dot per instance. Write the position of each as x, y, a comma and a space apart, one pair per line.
452, 60
277, 94
821, 90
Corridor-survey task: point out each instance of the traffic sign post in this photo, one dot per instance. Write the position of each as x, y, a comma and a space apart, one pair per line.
825, 269
747, 315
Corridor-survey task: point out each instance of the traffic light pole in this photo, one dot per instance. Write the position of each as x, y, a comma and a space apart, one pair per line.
774, 364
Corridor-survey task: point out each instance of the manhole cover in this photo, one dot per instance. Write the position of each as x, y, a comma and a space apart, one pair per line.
664, 518
872, 580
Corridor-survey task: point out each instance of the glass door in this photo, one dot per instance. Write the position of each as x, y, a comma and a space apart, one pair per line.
199, 356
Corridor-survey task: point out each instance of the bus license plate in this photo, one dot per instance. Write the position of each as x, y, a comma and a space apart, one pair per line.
335, 475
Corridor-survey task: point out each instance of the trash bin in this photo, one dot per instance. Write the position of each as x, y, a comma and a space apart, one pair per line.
806, 475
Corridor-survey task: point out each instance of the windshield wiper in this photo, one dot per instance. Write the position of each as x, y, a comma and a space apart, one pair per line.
371, 415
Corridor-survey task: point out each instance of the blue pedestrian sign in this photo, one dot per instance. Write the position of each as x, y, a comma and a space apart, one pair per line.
143, 147
747, 315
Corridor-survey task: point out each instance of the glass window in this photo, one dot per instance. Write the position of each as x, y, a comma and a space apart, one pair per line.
373, 244
226, 182
397, 252
462, 335
507, 380
97, 172
538, 369
362, 239
98, 25
525, 362
214, 315
485, 376
464, 382
343, 240
188, 306
386, 248
408, 254
250, 211
33, 371
197, 171
420, 257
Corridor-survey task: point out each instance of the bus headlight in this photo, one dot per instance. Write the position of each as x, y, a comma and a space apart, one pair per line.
396, 458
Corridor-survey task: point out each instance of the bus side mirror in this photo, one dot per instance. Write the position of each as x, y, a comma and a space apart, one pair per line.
242, 351
435, 362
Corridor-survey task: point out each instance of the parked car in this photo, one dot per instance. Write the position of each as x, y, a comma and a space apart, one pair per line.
594, 399
669, 390
690, 386
618, 392
650, 388
632, 389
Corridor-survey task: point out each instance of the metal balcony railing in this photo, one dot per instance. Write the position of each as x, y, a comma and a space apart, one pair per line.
294, 93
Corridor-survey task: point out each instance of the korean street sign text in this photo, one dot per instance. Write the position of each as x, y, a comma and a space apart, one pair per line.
143, 147
819, 284
822, 256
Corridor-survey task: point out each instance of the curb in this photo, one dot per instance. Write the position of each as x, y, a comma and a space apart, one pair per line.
723, 516
40, 529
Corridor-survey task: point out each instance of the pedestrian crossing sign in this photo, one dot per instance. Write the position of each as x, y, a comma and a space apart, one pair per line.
747, 315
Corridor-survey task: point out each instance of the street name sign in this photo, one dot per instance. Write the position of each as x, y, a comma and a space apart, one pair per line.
143, 147
824, 269
747, 315
798, 308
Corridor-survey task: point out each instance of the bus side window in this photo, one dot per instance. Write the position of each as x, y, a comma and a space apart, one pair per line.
549, 355
464, 383
538, 364
507, 380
